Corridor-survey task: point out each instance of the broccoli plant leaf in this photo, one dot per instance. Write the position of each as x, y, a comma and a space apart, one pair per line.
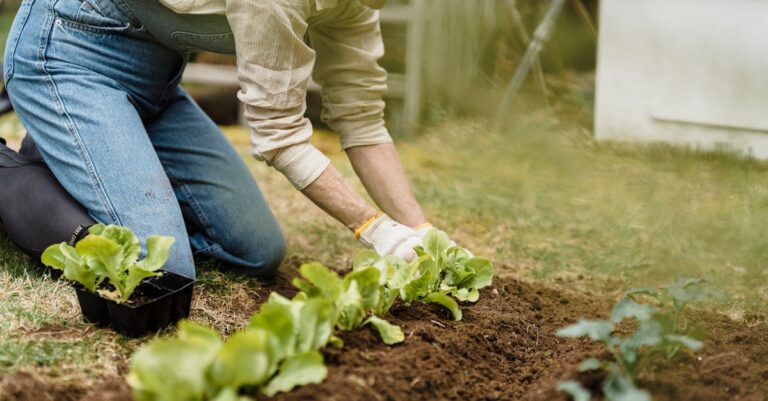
685, 341
390, 333
590, 364
627, 308
575, 390
619, 388
653, 292
596, 330
298, 370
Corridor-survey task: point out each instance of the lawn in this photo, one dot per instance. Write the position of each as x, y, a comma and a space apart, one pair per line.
538, 196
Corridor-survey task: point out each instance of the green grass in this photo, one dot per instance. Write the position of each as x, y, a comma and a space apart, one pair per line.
539, 197
543, 198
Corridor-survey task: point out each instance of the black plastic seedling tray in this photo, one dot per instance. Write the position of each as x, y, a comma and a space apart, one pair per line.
165, 300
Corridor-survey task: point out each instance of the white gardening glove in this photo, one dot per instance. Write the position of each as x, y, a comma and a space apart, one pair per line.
388, 237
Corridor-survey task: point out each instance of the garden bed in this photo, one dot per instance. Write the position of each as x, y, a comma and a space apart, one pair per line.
504, 349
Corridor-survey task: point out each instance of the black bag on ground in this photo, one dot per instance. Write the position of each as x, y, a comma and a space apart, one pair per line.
35, 210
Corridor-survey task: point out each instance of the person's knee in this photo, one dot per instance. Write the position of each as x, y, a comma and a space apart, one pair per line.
273, 255
257, 255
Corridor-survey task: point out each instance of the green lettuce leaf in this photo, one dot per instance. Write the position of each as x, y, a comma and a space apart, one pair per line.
245, 359
448, 302
74, 267
298, 370
367, 285
390, 333
174, 369
326, 281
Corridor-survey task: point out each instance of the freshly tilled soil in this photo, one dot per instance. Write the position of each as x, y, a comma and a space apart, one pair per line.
504, 349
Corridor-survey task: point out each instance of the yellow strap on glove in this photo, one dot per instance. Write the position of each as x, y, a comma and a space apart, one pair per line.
388, 237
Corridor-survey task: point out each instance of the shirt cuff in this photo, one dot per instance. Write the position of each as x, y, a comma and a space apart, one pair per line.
354, 134
301, 164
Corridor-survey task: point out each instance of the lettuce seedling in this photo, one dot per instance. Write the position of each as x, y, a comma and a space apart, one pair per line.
443, 272
278, 350
299, 328
355, 297
109, 253
175, 369
463, 274
657, 330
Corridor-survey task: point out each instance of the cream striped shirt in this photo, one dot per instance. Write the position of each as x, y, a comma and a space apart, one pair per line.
275, 65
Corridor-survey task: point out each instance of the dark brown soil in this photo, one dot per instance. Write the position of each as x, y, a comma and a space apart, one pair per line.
504, 349
26, 387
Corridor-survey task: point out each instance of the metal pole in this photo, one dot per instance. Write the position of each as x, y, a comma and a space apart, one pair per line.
543, 31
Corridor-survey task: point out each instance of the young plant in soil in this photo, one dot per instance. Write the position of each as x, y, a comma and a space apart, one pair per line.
444, 274
280, 347
659, 329
355, 298
277, 351
109, 253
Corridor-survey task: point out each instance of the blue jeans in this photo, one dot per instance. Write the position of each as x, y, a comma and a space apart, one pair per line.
101, 98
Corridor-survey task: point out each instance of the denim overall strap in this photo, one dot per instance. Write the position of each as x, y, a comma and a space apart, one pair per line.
183, 32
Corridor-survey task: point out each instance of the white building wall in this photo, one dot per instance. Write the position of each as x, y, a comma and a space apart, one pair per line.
690, 72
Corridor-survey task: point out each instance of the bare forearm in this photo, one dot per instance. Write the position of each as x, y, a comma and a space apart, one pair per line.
335, 196
382, 173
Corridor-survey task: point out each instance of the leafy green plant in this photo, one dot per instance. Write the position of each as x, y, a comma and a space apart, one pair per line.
109, 253
443, 272
276, 352
658, 330
279, 349
355, 298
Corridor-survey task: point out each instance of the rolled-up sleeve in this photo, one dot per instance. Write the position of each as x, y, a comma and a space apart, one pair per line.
349, 46
274, 66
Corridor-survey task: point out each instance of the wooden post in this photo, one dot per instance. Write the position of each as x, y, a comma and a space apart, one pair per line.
412, 17
413, 82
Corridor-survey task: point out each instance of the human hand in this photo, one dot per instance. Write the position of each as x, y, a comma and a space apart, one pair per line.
388, 237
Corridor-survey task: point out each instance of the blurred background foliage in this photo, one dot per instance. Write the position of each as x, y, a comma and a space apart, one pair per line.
472, 48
